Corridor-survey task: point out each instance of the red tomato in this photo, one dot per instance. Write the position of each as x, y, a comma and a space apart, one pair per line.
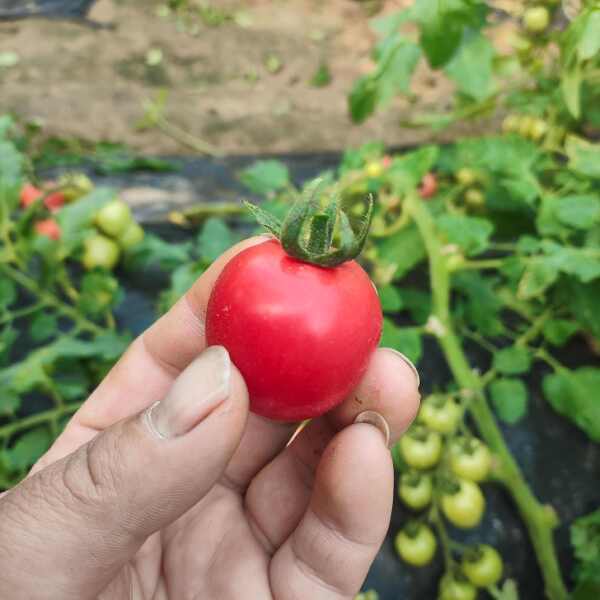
30, 193
49, 228
428, 186
386, 161
301, 335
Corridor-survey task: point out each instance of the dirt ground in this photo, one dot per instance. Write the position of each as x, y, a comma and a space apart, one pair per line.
242, 86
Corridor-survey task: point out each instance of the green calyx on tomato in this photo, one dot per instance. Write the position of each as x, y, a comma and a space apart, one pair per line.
441, 414
416, 544
421, 448
470, 459
455, 587
463, 503
415, 490
483, 566
317, 230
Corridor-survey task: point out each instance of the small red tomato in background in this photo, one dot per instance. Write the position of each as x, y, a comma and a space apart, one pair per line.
386, 161
300, 334
428, 186
48, 228
30, 193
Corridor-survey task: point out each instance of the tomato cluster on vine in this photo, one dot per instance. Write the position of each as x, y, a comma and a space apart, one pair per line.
442, 466
116, 231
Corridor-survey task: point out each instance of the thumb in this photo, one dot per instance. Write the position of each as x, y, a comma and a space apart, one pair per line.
80, 519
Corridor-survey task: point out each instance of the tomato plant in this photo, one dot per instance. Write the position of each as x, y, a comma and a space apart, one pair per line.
482, 566
441, 414
470, 459
415, 490
421, 448
463, 505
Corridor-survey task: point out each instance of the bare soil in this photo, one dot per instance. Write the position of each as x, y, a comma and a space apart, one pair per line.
223, 81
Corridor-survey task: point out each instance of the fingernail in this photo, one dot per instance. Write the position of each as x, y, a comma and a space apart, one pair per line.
408, 362
374, 418
203, 385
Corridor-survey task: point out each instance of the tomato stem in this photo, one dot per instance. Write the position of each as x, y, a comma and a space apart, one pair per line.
535, 515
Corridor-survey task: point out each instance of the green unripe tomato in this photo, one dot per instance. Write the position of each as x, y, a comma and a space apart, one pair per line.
536, 19
75, 185
466, 176
483, 567
511, 123
465, 507
538, 129
440, 414
416, 545
114, 218
374, 169
420, 448
525, 124
470, 459
100, 252
455, 261
474, 198
132, 236
452, 588
415, 490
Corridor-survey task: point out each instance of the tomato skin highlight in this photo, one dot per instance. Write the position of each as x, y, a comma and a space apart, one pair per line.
301, 335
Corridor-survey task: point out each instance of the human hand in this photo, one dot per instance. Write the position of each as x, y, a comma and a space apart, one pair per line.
163, 485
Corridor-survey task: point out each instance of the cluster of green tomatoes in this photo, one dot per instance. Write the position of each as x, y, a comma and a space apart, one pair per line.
442, 467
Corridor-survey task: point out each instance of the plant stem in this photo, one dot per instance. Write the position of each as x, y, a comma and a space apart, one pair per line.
50, 300
540, 520
38, 419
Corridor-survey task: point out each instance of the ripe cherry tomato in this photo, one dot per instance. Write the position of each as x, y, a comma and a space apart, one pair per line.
30, 193
132, 236
483, 566
100, 251
416, 545
48, 228
114, 218
420, 448
386, 161
470, 459
415, 490
536, 19
301, 335
465, 507
466, 176
452, 588
428, 186
440, 414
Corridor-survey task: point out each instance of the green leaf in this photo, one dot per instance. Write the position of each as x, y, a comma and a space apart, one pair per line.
417, 303
582, 263
9, 403
99, 292
11, 165
402, 251
581, 212
391, 300
472, 68
574, 394
182, 280
584, 157
8, 336
43, 326
322, 76
471, 234
509, 398
585, 539
72, 381
407, 171
404, 339
363, 98
512, 361
589, 42
571, 88
8, 292
265, 176
153, 251
214, 239
482, 307
28, 448
558, 331
539, 275
582, 300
